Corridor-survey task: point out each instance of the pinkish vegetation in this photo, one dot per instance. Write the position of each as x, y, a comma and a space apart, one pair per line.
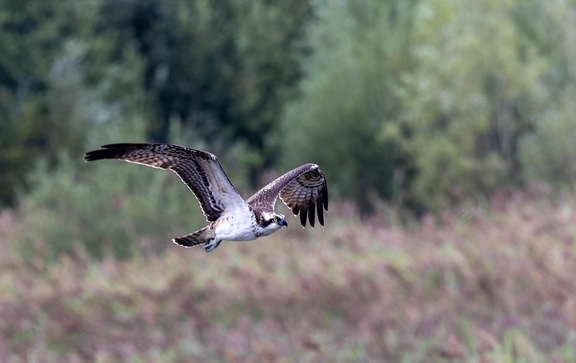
475, 286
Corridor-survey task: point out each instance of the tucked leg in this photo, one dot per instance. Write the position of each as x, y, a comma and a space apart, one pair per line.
212, 245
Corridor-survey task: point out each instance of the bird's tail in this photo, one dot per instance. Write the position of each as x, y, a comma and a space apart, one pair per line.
200, 237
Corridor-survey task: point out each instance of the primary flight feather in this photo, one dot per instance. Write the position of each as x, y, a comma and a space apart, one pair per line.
232, 218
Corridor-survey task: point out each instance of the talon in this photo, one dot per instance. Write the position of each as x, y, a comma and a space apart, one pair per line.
211, 246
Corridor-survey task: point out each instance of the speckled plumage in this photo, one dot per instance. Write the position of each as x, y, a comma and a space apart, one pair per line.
302, 189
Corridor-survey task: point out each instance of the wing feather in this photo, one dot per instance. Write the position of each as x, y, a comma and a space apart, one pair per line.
303, 190
199, 170
320, 212
311, 215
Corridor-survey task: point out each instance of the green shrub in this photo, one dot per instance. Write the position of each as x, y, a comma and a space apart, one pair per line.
429, 103
104, 207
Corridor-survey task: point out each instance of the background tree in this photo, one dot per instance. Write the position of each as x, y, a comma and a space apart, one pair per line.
427, 102
40, 92
547, 153
347, 118
222, 68
436, 102
470, 101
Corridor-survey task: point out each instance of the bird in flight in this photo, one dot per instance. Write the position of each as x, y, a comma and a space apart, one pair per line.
230, 217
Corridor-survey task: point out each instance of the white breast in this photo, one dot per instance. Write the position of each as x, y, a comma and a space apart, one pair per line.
237, 227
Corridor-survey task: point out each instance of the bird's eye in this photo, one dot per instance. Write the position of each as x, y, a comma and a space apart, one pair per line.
275, 219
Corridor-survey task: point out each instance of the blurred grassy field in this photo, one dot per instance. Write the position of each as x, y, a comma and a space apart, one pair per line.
472, 286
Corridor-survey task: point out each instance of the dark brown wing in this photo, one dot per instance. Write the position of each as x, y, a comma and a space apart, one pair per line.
199, 170
303, 190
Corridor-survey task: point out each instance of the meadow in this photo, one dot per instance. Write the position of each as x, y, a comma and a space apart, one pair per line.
475, 284
435, 106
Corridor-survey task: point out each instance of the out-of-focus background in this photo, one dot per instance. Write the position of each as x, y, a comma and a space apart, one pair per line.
446, 129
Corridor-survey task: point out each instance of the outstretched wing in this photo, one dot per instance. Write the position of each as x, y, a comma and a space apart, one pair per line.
199, 170
303, 190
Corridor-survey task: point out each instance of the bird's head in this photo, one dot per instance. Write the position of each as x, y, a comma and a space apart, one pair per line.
273, 222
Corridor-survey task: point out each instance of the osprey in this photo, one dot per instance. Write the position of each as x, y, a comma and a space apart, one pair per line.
231, 217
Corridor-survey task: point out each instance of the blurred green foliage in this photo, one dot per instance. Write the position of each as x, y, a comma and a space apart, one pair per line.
422, 103
100, 209
37, 62
347, 118
432, 102
222, 68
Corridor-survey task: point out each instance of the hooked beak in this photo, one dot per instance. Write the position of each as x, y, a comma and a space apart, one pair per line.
282, 223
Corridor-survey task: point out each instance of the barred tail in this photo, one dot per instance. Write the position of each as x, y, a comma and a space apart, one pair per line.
200, 237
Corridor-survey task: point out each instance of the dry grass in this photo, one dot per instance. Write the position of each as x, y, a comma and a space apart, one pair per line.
474, 287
